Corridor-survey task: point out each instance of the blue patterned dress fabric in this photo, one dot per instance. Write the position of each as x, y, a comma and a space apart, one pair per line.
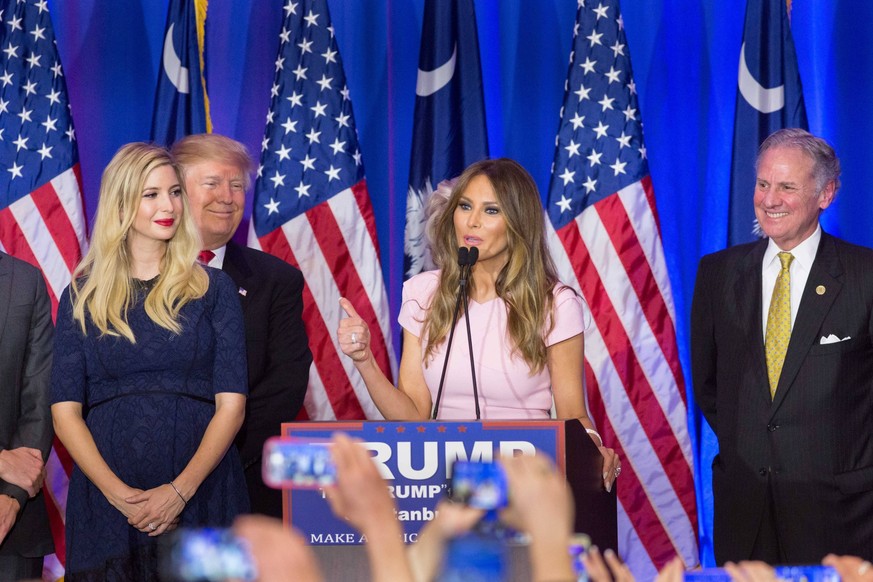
147, 405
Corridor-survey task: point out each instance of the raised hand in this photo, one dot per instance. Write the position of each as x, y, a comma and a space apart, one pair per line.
353, 334
278, 551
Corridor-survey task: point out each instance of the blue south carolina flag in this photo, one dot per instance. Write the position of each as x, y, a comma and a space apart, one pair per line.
181, 103
769, 97
449, 127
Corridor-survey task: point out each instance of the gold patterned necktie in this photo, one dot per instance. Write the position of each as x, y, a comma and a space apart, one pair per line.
779, 323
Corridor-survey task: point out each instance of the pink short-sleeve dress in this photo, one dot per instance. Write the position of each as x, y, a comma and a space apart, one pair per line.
507, 388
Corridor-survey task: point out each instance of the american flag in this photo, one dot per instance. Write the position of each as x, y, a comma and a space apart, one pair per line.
41, 214
605, 239
312, 208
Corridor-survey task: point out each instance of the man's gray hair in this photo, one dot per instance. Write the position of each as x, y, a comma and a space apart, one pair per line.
826, 163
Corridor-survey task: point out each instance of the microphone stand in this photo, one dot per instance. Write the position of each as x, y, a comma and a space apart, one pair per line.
463, 258
471, 260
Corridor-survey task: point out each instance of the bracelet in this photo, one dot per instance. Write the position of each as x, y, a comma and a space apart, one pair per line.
179, 493
594, 432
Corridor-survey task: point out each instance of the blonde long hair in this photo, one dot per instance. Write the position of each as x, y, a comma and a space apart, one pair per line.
102, 288
525, 283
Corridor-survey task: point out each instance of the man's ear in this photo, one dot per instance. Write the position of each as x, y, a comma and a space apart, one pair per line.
826, 196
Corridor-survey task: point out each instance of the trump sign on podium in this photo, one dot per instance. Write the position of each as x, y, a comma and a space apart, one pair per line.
416, 458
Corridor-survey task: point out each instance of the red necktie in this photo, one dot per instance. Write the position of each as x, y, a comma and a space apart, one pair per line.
205, 256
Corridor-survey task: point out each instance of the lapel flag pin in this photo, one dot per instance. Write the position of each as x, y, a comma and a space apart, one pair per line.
243, 292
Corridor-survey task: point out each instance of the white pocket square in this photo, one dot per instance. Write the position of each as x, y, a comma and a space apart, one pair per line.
832, 339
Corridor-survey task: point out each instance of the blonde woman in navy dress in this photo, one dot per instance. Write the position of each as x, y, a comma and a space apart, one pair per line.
527, 327
149, 377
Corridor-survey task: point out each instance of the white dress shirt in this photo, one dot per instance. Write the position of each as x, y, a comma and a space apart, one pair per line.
218, 260
804, 256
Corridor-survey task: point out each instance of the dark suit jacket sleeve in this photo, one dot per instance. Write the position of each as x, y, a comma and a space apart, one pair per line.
276, 342
703, 345
34, 426
289, 357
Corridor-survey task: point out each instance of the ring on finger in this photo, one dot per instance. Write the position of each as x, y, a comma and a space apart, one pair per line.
152, 527
354, 338
617, 471
863, 568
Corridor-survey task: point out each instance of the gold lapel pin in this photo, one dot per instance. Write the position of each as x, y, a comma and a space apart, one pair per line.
820, 289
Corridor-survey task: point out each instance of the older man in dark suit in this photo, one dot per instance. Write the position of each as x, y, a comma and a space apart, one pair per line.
25, 419
217, 174
782, 362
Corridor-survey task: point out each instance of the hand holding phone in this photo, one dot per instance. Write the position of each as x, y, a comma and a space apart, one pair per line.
479, 485
207, 554
296, 463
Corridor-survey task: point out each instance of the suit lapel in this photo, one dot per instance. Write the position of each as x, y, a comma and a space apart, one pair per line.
747, 291
827, 272
5, 291
238, 268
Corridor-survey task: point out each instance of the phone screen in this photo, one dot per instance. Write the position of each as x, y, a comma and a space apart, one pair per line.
479, 485
296, 463
207, 554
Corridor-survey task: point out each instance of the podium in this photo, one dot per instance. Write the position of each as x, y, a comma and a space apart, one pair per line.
415, 458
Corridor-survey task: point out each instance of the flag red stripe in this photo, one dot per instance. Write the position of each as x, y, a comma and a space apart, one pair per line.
15, 243
339, 390
639, 272
329, 237
639, 392
56, 521
77, 172
362, 197
58, 223
13, 238
650, 196
56, 524
63, 456
650, 529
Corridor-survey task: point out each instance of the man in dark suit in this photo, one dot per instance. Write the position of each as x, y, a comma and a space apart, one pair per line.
25, 418
217, 174
782, 365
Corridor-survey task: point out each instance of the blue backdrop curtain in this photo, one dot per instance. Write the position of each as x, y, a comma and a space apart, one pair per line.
684, 55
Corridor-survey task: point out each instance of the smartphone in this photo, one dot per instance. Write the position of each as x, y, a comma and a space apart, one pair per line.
296, 463
578, 547
206, 554
812, 573
480, 485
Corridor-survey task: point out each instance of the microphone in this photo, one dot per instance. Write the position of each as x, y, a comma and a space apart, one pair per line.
472, 257
463, 261
464, 258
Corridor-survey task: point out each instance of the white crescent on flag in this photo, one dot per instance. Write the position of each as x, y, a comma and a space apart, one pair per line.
429, 82
177, 74
763, 99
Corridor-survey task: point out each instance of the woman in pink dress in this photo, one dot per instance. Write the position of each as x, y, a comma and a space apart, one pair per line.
527, 327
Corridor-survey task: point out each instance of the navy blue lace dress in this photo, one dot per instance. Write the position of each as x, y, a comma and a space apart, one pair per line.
147, 405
